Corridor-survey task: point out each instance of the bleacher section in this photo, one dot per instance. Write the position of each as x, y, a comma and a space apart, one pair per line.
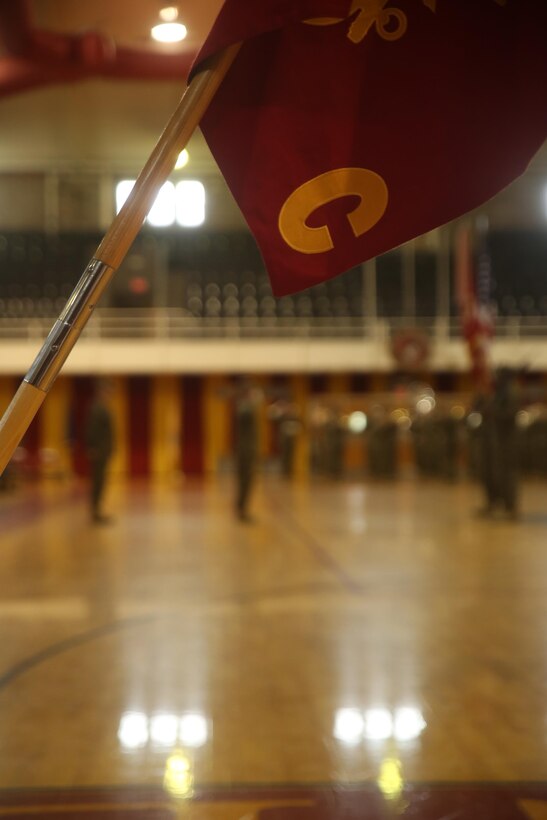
219, 276
208, 276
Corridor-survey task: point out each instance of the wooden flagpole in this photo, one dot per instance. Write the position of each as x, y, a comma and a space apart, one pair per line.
110, 253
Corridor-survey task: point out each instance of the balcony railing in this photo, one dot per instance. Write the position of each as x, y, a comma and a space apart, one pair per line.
173, 324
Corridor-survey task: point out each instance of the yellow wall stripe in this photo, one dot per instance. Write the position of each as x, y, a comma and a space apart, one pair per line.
54, 444
217, 422
301, 389
120, 411
8, 389
166, 412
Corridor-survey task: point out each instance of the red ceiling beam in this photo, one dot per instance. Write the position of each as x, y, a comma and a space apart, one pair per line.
35, 57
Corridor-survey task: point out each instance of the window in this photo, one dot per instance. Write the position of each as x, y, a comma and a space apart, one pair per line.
183, 203
162, 212
190, 203
123, 189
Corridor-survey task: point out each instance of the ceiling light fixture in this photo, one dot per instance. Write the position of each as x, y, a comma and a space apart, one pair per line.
182, 159
169, 14
169, 31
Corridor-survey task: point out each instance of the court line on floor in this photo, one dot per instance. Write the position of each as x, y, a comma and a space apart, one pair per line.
316, 548
56, 649
65, 645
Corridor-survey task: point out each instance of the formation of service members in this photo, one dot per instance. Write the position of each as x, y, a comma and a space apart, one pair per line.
533, 443
382, 447
436, 446
495, 445
246, 446
498, 446
99, 436
290, 427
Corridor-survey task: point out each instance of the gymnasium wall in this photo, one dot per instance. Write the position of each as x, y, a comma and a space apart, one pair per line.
167, 424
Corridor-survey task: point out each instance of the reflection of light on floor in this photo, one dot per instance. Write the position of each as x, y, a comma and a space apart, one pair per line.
352, 725
348, 726
193, 730
378, 724
178, 779
133, 730
390, 779
408, 724
162, 731
357, 523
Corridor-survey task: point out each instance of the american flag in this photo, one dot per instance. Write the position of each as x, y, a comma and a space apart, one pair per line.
474, 297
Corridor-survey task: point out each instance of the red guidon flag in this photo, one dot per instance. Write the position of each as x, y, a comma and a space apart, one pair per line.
474, 298
346, 127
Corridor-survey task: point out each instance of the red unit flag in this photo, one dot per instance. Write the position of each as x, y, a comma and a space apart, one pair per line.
346, 127
473, 295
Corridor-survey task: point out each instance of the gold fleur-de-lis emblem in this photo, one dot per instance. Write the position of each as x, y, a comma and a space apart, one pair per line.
390, 23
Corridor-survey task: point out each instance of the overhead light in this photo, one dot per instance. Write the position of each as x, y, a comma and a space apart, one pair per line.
190, 203
182, 159
169, 30
169, 14
162, 212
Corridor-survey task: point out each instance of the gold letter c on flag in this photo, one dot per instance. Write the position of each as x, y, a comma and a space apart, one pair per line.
367, 185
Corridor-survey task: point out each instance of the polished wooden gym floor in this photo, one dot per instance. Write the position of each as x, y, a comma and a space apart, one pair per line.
361, 650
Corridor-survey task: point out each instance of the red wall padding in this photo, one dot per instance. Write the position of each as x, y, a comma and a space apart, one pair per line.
139, 431
192, 432
82, 388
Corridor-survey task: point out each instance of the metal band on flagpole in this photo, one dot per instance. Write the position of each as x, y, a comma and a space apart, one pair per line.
64, 333
110, 253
